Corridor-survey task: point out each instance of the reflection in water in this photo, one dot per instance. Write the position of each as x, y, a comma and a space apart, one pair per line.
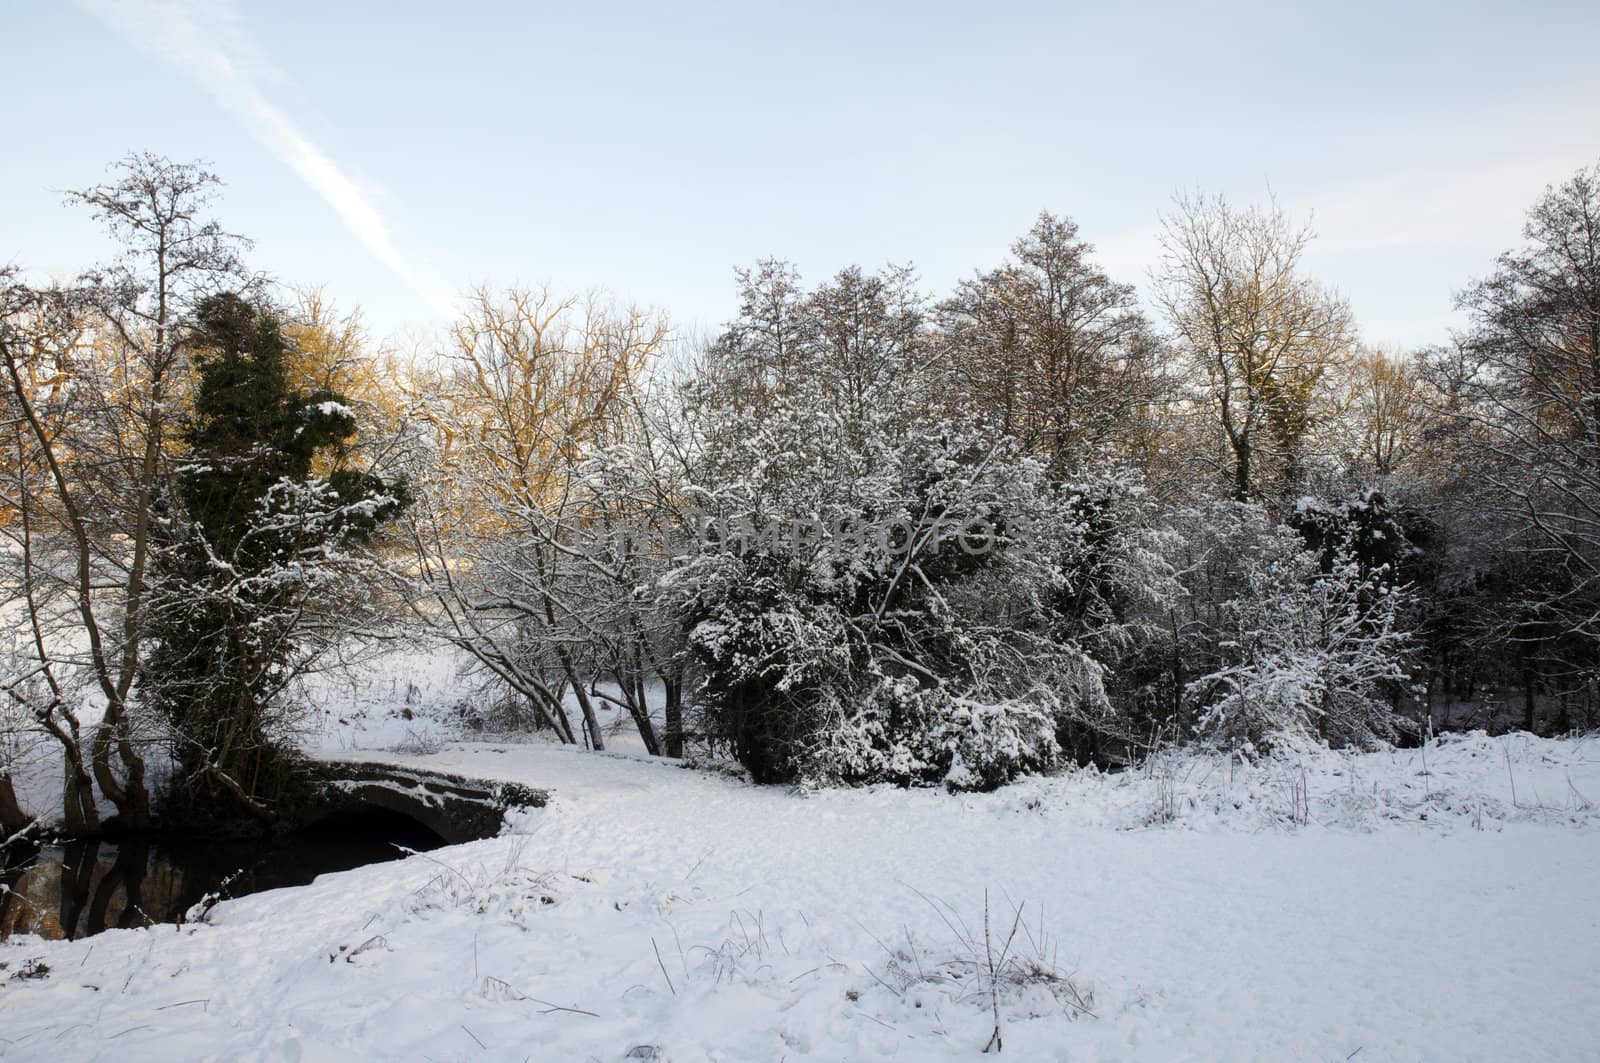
83, 887
69, 890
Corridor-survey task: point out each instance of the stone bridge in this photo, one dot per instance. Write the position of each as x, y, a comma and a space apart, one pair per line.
456, 808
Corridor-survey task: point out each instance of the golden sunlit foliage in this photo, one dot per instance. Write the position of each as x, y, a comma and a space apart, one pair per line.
528, 382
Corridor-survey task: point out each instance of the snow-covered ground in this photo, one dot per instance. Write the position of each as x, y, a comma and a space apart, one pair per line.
1340, 907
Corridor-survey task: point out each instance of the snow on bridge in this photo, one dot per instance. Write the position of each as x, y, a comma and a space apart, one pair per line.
457, 808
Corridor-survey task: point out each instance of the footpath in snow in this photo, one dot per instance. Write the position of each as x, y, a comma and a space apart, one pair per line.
1336, 908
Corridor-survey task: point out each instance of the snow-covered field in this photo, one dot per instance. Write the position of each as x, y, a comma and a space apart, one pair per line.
1340, 907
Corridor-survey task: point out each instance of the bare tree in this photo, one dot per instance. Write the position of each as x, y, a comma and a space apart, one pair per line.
514, 549
1258, 337
92, 414
1384, 412
1524, 383
41, 337
1052, 350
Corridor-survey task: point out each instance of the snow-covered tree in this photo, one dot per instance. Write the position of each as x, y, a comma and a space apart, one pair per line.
882, 591
536, 508
260, 570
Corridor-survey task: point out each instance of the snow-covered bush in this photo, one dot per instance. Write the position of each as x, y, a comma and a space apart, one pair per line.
801, 688
770, 657
909, 734
860, 670
952, 648
1303, 650
1114, 586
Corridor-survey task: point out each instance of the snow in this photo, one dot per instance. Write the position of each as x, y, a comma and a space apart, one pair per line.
332, 409
1325, 908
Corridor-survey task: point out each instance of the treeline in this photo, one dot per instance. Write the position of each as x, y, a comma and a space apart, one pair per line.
864, 534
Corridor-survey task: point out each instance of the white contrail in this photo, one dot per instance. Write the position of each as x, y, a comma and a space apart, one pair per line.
205, 41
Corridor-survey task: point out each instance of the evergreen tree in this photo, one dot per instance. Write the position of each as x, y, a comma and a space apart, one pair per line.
258, 544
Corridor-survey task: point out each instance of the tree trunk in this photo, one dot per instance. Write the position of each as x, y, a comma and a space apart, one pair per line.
639, 709
132, 864
79, 863
633, 687
136, 808
556, 710
80, 817
674, 713
12, 819
130, 797
1241, 470
591, 724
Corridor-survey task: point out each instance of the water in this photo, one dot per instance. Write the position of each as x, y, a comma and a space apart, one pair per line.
78, 888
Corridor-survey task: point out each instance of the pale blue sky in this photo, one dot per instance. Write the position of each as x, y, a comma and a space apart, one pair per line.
397, 152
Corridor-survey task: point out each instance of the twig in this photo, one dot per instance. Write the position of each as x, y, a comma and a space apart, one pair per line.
1583, 802
683, 961
547, 1005
911, 947
994, 993
1510, 775
663, 966
874, 976
32, 824
880, 1022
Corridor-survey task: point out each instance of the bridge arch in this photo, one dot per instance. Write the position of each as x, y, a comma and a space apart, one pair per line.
456, 808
